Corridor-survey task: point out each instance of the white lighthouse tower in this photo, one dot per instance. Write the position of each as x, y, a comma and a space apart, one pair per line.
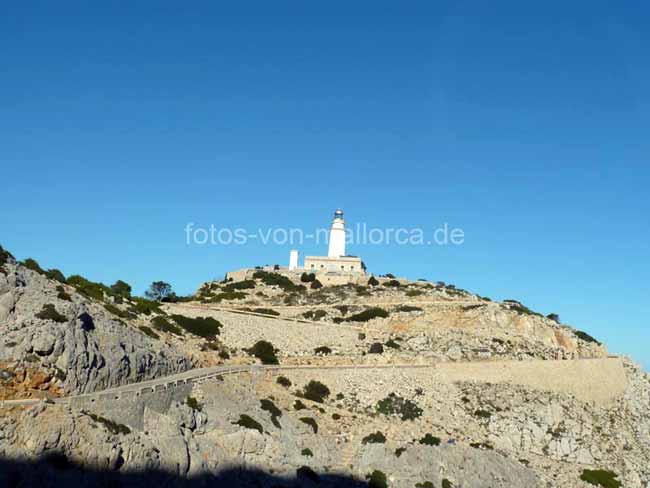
337, 236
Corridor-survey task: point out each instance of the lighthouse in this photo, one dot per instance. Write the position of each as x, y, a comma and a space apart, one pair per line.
337, 236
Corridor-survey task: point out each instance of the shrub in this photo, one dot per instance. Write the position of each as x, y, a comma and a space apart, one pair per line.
121, 288
88, 288
376, 348
399, 451
264, 351
392, 344
600, 477
240, 285
408, 308
298, 405
374, 438
266, 311
336, 416
323, 350
275, 279
377, 479
586, 337
307, 472
446, 483
62, 294
424, 484
554, 317
368, 314
228, 295
430, 440
392, 283
116, 311
307, 452
249, 423
113, 427
396, 405
55, 274
314, 314
310, 422
481, 445
373, 281
283, 381
315, 285
193, 403
307, 278
483, 414
5, 256
48, 312
164, 325
275, 412
361, 336
316, 391
414, 293
30, 263
143, 306
149, 332
200, 326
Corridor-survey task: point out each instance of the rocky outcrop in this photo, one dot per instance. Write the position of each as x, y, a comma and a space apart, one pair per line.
74, 339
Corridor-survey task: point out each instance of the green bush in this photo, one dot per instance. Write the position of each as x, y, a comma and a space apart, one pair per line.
424, 484
446, 483
240, 285
275, 279
408, 308
62, 294
316, 285
143, 306
164, 325
298, 405
307, 452
336, 416
275, 412
392, 344
88, 288
311, 422
30, 263
392, 283
368, 314
249, 423
5, 256
374, 438
399, 451
314, 314
373, 281
377, 479
600, 477
396, 405
205, 327
414, 293
430, 440
116, 311
283, 381
121, 288
49, 313
56, 275
264, 351
586, 337
266, 311
376, 348
228, 295
307, 278
483, 414
148, 331
316, 391
193, 403
323, 350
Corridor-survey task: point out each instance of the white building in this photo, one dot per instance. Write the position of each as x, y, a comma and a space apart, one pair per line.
336, 261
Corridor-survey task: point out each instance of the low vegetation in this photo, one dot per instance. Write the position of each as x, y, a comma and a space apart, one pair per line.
311, 422
322, 351
408, 308
149, 332
249, 422
586, 337
275, 279
430, 440
314, 314
376, 348
62, 294
601, 477
193, 403
283, 381
396, 405
377, 479
264, 351
205, 327
368, 314
163, 324
307, 452
48, 312
316, 391
374, 438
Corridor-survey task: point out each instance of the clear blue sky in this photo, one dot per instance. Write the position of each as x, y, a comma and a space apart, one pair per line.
525, 125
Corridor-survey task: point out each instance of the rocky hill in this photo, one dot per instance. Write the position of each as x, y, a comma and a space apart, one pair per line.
397, 383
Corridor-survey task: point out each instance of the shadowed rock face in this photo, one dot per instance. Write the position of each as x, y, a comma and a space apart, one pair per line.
84, 347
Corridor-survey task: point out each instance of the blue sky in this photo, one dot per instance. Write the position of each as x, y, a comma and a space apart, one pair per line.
524, 125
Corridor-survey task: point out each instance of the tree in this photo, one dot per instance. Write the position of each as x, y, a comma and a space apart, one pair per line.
159, 291
373, 281
554, 317
121, 288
